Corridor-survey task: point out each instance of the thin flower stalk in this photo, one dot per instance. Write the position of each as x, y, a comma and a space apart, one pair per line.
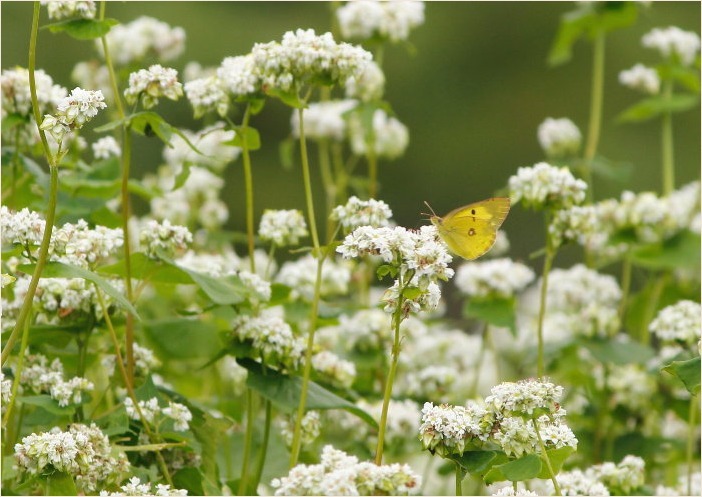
15, 383
126, 212
459, 479
548, 262
668, 158
110, 67
691, 442
551, 473
596, 99
248, 441
248, 181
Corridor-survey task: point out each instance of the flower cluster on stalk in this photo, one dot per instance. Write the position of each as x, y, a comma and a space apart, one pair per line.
73, 111
391, 20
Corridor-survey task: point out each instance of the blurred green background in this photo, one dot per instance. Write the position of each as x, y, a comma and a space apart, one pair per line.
472, 91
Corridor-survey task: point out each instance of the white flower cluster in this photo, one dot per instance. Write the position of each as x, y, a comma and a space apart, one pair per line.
259, 289
61, 9
38, 376
5, 391
211, 141
282, 227
357, 212
153, 413
368, 85
303, 57
526, 397
155, 236
271, 338
624, 477
642, 78
388, 137
16, 97
559, 137
206, 94
366, 330
579, 224
574, 482
83, 452
341, 474
323, 120
448, 429
92, 74
580, 301
239, 75
673, 42
630, 385
106, 147
300, 276
23, 227
679, 324
144, 361
364, 19
310, 428
82, 246
340, 372
421, 258
73, 111
497, 278
546, 186
135, 487
403, 418
510, 491
152, 83
144, 36
218, 264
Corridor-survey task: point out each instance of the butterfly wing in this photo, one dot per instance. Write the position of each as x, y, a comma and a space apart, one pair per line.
470, 231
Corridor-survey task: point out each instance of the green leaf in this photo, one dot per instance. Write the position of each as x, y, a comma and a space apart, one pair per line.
83, 29
48, 404
573, 25
524, 468
284, 391
286, 153
289, 98
183, 338
620, 353
147, 390
617, 171
679, 252
55, 269
688, 372
59, 483
476, 461
189, 479
182, 176
655, 106
146, 123
557, 458
114, 423
497, 312
248, 134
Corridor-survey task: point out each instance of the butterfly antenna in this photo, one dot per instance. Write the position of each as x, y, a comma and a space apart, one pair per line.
432, 210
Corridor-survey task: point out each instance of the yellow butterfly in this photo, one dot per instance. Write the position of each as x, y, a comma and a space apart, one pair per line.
470, 231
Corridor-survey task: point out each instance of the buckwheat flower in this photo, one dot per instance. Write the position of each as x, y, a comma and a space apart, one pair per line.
61, 9
357, 212
559, 137
574, 482
366, 330
106, 147
152, 83
502, 278
16, 97
390, 136
629, 385
155, 236
144, 36
5, 389
427, 299
211, 141
641, 78
311, 427
207, 94
79, 107
390, 244
391, 20
526, 397
339, 372
673, 42
447, 430
217, 264
70, 392
144, 361
403, 417
624, 477
679, 323
259, 289
6, 280
239, 75
282, 227
82, 246
135, 487
180, 414
546, 186
149, 409
303, 57
93, 74
323, 120
579, 224
510, 491
367, 86
300, 275
23, 227
271, 338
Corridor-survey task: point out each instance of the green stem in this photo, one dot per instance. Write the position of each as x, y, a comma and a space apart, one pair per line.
248, 439
110, 67
372, 170
552, 474
691, 441
15, 386
15, 168
459, 480
479, 364
53, 196
328, 181
130, 388
626, 286
297, 432
126, 208
652, 307
548, 262
261, 461
668, 162
396, 320
596, 98
341, 174
248, 181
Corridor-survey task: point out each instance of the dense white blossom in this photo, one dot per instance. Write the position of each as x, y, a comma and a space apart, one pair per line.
642, 78
61, 9
544, 185
144, 36
73, 111
679, 323
389, 137
135, 487
282, 227
323, 120
363, 19
559, 137
106, 147
340, 372
271, 338
16, 97
357, 212
525, 397
151, 84
301, 274
239, 75
446, 429
310, 428
166, 237
206, 94
673, 41
501, 278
